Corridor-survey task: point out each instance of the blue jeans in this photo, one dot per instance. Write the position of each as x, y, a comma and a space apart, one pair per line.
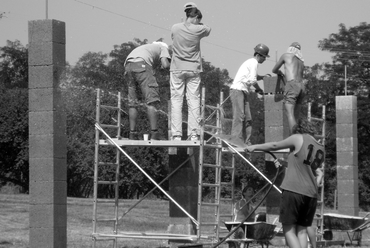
181, 81
242, 118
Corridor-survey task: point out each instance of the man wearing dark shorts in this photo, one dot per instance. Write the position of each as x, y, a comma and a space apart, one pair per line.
139, 74
295, 84
300, 183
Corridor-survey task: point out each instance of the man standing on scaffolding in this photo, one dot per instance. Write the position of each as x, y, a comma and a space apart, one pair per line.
245, 78
295, 86
139, 73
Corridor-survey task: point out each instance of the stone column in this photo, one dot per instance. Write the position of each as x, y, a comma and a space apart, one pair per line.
47, 135
347, 155
276, 129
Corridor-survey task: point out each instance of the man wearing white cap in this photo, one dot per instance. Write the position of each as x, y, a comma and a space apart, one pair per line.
295, 87
186, 66
139, 74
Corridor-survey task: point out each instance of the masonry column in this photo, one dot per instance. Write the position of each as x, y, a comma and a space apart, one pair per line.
47, 135
276, 129
347, 155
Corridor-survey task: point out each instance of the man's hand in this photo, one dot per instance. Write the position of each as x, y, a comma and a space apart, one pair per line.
249, 149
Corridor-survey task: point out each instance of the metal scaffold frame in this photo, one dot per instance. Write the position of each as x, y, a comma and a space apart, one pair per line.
203, 235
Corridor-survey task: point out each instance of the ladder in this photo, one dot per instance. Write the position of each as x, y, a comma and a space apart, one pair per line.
320, 202
219, 186
98, 164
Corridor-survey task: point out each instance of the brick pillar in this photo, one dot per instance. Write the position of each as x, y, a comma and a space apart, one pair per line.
184, 190
347, 155
276, 129
47, 135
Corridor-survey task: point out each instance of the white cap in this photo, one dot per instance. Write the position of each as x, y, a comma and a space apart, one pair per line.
161, 43
190, 5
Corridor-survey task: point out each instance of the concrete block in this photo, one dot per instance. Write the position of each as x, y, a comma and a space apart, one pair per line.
347, 144
274, 85
45, 99
41, 31
48, 169
48, 76
349, 186
345, 102
48, 237
346, 130
271, 104
48, 215
47, 53
346, 116
274, 133
347, 172
47, 122
348, 200
274, 118
353, 211
347, 158
48, 192
48, 146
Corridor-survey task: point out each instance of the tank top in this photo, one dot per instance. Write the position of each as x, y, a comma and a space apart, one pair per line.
299, 176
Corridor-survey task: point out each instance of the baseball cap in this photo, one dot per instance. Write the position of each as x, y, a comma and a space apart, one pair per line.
190, 5
296, 45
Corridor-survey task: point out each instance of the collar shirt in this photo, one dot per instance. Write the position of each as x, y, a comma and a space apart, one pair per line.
246, 75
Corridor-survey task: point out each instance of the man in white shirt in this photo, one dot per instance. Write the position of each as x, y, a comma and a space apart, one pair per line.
245, 78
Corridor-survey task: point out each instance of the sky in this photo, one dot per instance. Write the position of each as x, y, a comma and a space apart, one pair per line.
237, 25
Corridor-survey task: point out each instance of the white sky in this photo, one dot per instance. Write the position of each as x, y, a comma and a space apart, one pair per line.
237, 25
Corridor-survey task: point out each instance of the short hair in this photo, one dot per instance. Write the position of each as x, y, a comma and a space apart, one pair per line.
193, 12
304, 126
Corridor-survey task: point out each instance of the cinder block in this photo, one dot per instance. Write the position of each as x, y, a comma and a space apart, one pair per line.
346, 116
47, 146
45, 99
349, 186
347, 159
48, 169
48, 237
271, 103
345, 102
274, 133
47, 122
46, 53
274, 118
41, 31
346, 130
48, 192
347, 144
48, 76
274, 84
48, 215
348, 200
353, 211
347, 172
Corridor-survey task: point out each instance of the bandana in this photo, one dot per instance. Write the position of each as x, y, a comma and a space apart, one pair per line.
296, 52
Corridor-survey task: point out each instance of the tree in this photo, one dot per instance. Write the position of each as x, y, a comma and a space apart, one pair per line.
14, 159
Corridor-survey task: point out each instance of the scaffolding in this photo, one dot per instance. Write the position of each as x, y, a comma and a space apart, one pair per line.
207, 232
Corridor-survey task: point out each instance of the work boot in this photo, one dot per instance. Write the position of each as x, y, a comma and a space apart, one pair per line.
133, 135
176, 138
194, 137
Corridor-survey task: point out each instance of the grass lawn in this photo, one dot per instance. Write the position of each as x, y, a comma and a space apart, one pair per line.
148, 216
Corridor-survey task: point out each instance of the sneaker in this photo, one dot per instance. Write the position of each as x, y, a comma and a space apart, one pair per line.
155, 135
194, 137
133, 135
176, 138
